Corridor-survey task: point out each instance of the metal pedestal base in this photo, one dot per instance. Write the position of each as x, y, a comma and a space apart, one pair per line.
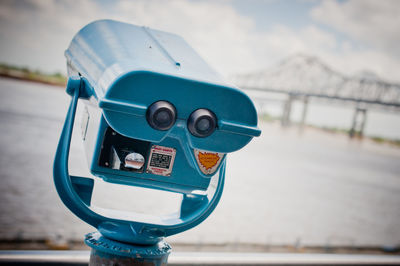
109, 252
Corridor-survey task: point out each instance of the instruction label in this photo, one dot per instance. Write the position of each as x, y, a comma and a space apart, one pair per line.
161, 160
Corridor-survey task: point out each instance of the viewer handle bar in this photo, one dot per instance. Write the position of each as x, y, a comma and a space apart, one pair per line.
62, 179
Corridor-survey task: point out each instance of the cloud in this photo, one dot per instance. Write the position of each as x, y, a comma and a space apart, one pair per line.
375, 23
373, 28
36, 33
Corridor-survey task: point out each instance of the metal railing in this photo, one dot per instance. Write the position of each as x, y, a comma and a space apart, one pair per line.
204, 258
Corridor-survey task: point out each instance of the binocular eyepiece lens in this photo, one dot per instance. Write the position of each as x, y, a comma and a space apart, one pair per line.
161, 115
202, 123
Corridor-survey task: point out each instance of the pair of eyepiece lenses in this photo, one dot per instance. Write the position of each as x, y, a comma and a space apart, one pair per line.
161, 115
202, 123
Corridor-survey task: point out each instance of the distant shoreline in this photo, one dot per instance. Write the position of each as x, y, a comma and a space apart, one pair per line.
22, 73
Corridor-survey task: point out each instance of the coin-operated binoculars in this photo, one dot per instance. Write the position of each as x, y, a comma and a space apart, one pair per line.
156, 116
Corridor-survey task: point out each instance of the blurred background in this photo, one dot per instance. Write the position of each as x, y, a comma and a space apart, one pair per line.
324, 75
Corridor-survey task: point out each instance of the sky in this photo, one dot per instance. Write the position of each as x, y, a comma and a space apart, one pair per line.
233, 36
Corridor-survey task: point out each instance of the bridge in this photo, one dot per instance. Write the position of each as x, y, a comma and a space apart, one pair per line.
302, 78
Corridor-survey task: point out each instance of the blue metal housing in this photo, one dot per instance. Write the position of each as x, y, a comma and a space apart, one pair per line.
119, 70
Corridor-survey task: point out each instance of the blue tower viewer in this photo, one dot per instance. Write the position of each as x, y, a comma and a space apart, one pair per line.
156, 116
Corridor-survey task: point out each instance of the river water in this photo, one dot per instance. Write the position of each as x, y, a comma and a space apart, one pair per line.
313, 188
